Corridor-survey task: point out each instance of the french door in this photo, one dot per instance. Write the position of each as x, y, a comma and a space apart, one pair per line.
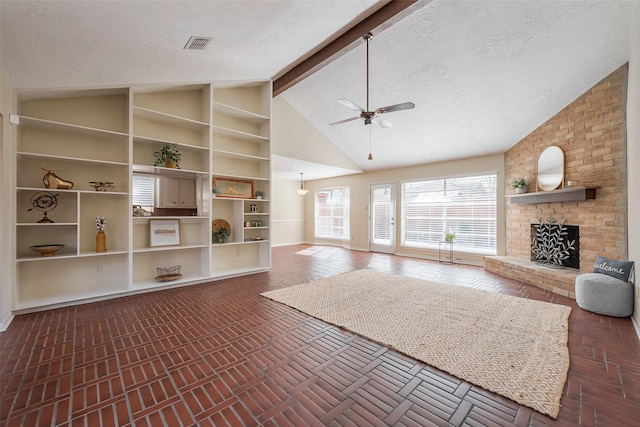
382, 208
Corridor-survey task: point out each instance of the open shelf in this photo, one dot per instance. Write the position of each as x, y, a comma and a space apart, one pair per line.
239, 134
158, 116
59, 126
230, 110
159, 170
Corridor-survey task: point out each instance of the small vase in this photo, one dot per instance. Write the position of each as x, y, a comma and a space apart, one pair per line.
521, 190
170, 164
101, 241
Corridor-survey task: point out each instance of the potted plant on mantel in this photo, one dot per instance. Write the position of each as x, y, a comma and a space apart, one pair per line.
520, 185
168, 156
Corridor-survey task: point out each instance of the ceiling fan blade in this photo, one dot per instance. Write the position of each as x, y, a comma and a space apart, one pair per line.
396, 107
344, 121
350, 104
381, 122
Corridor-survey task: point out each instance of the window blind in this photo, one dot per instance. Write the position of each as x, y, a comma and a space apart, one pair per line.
143, 190
465, 206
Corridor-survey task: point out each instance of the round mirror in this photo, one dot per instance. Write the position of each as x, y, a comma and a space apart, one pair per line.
550, 168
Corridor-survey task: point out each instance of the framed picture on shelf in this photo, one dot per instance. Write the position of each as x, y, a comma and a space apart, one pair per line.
164, 232
233, 188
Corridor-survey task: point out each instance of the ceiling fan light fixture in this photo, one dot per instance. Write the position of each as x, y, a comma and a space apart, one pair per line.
301, 191
371, 116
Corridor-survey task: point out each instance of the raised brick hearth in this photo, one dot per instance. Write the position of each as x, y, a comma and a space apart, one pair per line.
557, 280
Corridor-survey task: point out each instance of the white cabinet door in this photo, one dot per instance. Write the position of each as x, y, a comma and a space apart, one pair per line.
176, 193
187, 193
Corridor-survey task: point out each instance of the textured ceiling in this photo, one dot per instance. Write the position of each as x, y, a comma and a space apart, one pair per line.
482, 74
80, 42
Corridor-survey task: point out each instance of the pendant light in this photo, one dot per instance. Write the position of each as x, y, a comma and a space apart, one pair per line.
301, 190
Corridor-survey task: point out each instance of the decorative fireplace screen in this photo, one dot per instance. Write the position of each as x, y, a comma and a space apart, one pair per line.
555, 244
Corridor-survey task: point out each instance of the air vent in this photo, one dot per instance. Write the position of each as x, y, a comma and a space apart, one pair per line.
198, 43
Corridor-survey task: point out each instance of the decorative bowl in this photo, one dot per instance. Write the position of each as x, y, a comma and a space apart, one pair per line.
47, 250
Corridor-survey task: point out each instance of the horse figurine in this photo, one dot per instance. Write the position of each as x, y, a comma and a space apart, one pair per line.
53, 181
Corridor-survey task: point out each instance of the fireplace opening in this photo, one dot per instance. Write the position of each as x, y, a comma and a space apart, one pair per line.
555, 245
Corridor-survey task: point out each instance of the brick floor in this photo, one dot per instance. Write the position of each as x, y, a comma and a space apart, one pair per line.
219, 354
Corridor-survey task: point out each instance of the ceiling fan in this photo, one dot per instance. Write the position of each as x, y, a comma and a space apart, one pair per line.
371, 116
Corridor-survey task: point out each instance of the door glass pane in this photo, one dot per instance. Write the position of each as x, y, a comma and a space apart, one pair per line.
381, 216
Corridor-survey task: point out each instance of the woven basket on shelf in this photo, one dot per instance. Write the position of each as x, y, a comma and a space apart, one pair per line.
166, 274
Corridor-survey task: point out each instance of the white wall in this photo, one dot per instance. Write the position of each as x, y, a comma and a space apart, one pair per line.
633, 155
359, 192
292, 135
6, 291
287, 213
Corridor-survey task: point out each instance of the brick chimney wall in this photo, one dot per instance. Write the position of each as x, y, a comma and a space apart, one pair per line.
591, 133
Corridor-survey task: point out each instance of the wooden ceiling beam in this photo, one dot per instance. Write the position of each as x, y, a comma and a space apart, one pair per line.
382, 18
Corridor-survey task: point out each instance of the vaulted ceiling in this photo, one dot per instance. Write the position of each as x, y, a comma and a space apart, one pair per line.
482, 74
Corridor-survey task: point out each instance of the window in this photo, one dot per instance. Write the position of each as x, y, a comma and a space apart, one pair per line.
143, 191
465, 206
332, 213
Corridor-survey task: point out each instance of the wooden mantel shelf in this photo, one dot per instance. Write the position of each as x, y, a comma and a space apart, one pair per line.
562, 195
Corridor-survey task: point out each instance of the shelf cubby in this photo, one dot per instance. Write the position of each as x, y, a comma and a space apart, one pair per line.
191, 157
184, 102
79, 171
105, 110
192, 261
54, 280
252, 99
72, 141
240, 166
232, 260
46, 234
66, 210
193, 233
113, 207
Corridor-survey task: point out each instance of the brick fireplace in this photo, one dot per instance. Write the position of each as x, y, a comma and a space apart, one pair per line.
591, 133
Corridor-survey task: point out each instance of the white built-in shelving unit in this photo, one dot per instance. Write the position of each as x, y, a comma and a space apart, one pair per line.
110, 135
241, 151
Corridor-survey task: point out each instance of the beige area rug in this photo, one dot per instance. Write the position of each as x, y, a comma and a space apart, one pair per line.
511, 346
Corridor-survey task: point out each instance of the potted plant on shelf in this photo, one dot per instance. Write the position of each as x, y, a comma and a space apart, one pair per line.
168, 156
259, 194
520, 185
222, 235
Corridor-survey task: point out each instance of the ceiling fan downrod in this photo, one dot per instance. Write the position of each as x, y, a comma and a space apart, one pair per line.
366, 38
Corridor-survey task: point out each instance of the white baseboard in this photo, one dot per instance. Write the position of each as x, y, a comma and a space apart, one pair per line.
6, 321
288, 244
636, 324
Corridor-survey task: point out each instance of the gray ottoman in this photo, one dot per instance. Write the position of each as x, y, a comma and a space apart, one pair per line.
604, 294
